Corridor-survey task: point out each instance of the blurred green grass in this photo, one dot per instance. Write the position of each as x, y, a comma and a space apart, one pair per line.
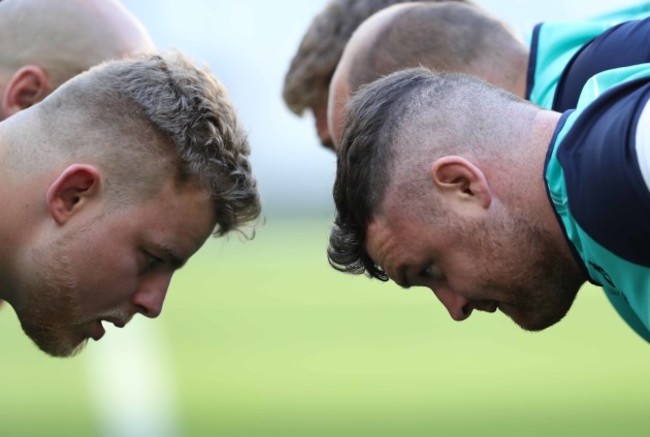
265, 338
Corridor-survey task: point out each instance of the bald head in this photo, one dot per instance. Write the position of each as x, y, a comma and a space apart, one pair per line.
446, 36
306, 84
45, 43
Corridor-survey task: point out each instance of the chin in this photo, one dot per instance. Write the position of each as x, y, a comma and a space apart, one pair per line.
56, 342
535, 322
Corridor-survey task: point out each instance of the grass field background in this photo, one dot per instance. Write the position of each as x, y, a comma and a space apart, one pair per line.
263, 338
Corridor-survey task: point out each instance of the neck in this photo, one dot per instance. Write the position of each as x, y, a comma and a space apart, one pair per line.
6, 219
521, 78
532, 190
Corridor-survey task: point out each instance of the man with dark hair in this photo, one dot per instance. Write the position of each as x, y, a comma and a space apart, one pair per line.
109, 185
306, 84
466, 39
446, 182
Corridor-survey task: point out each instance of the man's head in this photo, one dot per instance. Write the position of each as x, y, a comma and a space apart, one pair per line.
44, 43
306, 84
434, 188
111, 184
441, 36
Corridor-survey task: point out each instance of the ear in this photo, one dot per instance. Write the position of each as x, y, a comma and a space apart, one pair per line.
457, 177
71, 190
28, 86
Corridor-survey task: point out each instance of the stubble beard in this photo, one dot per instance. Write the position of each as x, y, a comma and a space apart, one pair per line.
51, 314
545, 281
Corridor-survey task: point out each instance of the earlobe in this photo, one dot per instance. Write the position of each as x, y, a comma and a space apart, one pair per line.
71, 190
456, 176
28, 86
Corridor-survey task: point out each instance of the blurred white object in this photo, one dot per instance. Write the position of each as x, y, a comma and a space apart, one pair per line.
131, 382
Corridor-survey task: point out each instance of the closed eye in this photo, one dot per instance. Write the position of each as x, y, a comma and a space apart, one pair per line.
426, 273
152, 262
432, 272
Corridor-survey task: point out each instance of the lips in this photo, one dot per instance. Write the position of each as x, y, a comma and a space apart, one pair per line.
117, 323
488, 307
492, 307
98, 331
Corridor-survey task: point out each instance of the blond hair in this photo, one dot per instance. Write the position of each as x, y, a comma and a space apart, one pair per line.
143, 120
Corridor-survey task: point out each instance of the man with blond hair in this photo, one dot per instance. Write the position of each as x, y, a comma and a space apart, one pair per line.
109, 185
45, 43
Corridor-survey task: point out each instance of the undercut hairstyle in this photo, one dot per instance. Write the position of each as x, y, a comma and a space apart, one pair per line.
395, 129
306, 84
145, 120
443, 36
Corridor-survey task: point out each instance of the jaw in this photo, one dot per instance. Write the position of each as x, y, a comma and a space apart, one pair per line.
56, 342
533, 319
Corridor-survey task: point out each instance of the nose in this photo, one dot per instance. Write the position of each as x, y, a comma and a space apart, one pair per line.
459, 308
325, 138
323, 130
150, 297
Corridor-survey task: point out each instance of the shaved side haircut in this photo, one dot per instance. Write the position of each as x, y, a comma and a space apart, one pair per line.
398, 125
144, 120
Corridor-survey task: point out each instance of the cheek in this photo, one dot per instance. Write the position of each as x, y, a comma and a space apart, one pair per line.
107, 281
475, 274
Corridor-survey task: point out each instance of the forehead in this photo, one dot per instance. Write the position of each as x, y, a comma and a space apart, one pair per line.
394, 239
179, 217
379, 241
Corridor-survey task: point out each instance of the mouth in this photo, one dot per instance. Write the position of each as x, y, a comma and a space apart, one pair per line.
488, 307
98, 330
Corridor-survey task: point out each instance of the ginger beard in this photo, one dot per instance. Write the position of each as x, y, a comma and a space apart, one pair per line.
52, 306
52, 313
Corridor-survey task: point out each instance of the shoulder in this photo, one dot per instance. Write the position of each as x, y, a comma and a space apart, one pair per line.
553, 44
597, 151
622, 45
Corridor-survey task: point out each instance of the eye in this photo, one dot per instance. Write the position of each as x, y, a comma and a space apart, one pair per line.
151, 262
432, 272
